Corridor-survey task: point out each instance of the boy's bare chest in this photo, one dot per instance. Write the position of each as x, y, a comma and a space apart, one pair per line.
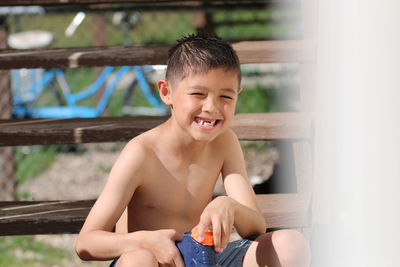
175, 193
179, 184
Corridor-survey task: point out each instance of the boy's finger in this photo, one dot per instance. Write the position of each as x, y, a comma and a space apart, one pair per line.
201, 229
225, 236
178, 237
217, 235
178, 261
173, 234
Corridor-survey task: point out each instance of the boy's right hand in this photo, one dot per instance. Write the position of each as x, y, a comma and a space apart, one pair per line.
162, 244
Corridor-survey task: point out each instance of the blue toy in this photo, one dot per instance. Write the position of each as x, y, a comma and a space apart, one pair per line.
196, 254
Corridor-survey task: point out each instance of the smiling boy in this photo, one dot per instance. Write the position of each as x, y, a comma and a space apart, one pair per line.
164, 178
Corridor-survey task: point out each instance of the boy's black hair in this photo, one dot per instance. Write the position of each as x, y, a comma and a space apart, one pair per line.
199, 53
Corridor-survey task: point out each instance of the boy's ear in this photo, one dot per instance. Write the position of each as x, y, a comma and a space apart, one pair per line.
240, 90
164, 89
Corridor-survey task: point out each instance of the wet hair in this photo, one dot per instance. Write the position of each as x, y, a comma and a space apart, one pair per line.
199, 53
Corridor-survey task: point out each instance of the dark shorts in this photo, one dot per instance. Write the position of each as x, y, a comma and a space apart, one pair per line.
234, 253
232, 256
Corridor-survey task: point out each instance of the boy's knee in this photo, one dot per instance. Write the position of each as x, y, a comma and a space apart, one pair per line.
291, 247
140, 257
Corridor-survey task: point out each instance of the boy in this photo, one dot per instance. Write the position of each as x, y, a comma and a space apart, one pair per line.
165, 177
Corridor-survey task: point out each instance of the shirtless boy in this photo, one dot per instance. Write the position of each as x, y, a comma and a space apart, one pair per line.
164, 178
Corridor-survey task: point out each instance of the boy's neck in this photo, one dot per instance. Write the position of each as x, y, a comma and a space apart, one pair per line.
179, 142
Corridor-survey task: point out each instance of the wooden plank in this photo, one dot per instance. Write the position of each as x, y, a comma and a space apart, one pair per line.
43, 217
74, 131
83, 57
248, 52
89, 2
285, 210
272, 126
74, 2
56, 217
275, 51
261, 126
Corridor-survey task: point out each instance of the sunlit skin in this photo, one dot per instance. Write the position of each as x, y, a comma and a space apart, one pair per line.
164, 179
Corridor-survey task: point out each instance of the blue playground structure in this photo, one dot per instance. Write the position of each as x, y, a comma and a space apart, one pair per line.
29, 84
24, 100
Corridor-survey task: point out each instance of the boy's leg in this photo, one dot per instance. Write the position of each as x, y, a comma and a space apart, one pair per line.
139, 257
286, 248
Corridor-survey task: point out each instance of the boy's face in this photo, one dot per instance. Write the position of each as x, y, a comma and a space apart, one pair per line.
204, 104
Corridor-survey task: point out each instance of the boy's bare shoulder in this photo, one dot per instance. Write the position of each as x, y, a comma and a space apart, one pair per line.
137, 148
141, 144
226, 138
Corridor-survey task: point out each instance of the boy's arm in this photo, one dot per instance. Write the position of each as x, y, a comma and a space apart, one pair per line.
248, 218
96, 240
240, 208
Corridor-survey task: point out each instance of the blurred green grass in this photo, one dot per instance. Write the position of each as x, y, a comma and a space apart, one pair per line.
32, 160
162, 27
257, 100
16, 251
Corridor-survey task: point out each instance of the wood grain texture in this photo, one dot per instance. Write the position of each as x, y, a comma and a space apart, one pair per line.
89, 2
272, 126
56, 217
43, 217
74, 131
248, 52
75, 2
285, 210
257, 126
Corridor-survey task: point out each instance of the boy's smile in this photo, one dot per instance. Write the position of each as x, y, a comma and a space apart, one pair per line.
203, 104
205, 123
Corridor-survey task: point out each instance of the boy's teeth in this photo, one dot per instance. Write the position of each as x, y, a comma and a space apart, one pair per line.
206, 123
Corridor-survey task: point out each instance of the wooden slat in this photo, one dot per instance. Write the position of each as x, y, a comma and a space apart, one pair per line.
275, 51
74, 131
285, 210
83, 57
272, 126
43, 217
71, 2
86, 2
261, 126
248, 52
55, 217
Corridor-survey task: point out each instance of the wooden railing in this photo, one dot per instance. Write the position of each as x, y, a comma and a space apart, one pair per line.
248, 52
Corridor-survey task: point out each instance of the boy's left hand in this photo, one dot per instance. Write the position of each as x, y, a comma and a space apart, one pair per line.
220, 214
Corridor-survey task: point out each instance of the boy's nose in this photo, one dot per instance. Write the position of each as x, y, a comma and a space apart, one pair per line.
210, 105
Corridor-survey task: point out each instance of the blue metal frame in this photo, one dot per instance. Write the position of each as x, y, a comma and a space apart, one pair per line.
22, 106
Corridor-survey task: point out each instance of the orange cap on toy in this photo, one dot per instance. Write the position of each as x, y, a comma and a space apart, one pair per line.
208, 238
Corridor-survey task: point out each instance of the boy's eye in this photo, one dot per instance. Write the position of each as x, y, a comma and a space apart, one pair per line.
196, 94
227, 97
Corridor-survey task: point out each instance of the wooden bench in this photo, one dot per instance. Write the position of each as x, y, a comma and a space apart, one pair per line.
40, 217
53, 217
56, 217
256, 126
